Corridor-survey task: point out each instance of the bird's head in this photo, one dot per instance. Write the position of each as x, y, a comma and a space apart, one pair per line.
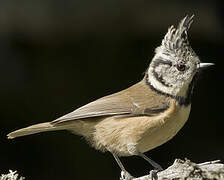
175, 64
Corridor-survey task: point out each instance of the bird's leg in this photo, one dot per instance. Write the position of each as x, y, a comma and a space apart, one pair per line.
153, 163
124, 174
153, 173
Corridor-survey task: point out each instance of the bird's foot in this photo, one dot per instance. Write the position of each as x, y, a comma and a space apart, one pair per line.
126, 176
153, 174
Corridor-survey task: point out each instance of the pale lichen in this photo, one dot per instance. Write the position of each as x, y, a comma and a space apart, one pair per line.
12, 175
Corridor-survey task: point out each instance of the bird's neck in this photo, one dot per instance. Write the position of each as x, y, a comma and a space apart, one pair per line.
183, 95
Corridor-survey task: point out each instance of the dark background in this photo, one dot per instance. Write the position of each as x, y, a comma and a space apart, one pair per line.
56, 56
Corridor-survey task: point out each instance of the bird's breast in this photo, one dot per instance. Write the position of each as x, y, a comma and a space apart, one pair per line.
168, 124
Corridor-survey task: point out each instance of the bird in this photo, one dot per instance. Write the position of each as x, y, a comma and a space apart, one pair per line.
145, 115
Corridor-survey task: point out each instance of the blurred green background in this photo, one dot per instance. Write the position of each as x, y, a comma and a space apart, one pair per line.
56, 56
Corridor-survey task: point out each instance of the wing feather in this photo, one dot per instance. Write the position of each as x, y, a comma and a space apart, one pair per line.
139, 99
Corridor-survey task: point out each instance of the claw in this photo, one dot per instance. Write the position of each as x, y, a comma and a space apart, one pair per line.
126, 176
153, 174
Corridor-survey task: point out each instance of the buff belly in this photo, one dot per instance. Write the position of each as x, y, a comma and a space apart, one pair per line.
167, 131
127, 136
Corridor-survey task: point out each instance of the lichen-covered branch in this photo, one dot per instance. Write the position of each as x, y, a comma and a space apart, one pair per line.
180, 170
12, 175
187, 170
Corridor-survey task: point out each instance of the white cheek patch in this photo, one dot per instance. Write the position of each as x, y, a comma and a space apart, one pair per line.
156, 84
173, 77
178, 86
162, 69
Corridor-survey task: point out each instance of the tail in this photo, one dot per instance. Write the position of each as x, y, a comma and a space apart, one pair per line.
37, 128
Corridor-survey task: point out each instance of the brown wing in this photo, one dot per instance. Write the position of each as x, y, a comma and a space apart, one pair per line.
139, 99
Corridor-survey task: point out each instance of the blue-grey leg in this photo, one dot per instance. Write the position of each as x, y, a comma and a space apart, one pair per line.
153, 163
118, 162
153, 173
124, 174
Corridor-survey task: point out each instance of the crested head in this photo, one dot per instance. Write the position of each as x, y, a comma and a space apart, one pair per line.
175, 63
176, 40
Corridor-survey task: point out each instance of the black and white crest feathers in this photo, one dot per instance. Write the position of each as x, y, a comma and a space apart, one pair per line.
176, 39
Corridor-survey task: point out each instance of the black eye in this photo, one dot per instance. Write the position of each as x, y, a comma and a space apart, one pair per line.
181, 67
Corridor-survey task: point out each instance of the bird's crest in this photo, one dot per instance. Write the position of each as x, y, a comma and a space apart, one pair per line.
176, 39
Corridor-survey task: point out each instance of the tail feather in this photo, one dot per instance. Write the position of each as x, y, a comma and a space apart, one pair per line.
37, 128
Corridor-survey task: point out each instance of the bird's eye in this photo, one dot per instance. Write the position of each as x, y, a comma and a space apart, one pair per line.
181, 67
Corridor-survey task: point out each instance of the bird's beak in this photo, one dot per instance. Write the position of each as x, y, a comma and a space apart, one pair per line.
204, 65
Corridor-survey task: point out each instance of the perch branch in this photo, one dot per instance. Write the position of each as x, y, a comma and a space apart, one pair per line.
187, 170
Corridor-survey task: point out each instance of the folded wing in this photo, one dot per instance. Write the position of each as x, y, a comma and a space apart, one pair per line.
136, 100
